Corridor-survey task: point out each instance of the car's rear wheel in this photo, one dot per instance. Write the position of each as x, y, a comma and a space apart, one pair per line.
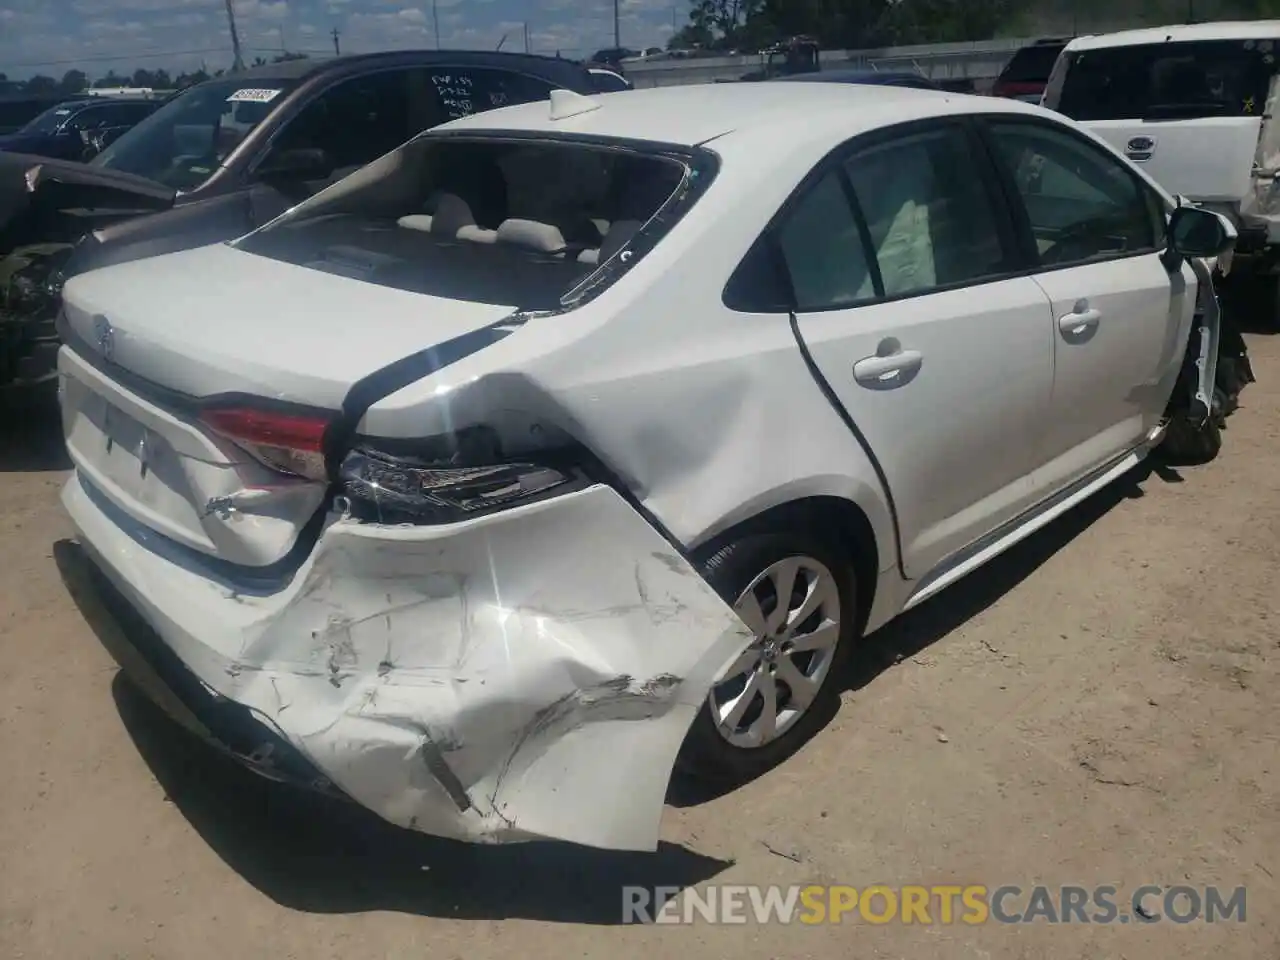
797, 593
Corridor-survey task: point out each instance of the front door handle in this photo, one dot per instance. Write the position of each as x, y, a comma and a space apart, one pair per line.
886, 372
1079, 324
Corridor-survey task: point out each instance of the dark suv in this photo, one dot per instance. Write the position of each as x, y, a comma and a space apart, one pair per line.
68, 129
223, 158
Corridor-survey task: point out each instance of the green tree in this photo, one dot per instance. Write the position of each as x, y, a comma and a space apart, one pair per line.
184, 80
73, 81
691, 36
833, 23
946, 21
723, 20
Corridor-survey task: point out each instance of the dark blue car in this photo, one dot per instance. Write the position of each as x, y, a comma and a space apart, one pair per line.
65, 130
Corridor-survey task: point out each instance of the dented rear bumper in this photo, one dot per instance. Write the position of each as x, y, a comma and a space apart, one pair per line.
530, 674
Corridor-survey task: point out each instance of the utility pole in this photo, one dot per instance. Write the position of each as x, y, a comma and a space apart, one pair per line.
237, 60
337, 48
617, 30
435, 21
526, 36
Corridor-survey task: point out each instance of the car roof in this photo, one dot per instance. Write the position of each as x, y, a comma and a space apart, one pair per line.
1180, 33
884, 77
768, 116
288, 70
107, 101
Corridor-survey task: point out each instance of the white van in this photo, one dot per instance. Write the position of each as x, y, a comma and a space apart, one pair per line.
1193, 105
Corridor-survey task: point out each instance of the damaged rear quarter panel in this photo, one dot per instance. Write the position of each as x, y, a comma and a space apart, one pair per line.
708, 416
527, 675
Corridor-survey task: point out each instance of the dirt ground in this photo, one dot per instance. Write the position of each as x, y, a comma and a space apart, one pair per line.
1095, 707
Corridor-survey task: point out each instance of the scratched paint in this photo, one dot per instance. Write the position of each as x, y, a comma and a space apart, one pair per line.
526, 675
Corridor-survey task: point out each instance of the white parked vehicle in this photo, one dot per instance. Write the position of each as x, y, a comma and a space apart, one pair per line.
573, 436
1195, 106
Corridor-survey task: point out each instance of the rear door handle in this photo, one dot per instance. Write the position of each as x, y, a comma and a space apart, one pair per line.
1079, 324
885, 372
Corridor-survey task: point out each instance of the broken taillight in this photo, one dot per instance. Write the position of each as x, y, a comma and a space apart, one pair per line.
291, 443
450, 478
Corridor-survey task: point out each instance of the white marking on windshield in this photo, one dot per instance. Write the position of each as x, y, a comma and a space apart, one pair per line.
254, 95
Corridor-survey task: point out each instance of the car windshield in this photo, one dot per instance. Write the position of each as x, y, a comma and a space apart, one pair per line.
515, 222
47, 122
186, 140
1167, 81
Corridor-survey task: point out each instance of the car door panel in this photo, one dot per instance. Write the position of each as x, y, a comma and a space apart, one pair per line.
1113, 378
954, 422
937, 352
1120, 314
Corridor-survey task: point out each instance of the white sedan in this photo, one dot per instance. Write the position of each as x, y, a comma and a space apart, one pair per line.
577, 438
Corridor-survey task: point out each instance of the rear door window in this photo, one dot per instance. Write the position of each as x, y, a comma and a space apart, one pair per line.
1167, 81
929, 214
355, 121
463, 91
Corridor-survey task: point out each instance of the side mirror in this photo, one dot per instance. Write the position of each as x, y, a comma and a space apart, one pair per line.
303, 163
1199, 233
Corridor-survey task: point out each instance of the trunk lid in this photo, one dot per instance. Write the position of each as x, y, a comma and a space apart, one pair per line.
218, 320
147, 340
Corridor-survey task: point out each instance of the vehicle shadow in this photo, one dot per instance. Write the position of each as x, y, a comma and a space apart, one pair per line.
31, 432
311, 853
321, 855
928, 623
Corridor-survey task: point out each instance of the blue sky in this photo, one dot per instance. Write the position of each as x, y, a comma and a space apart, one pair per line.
52, 36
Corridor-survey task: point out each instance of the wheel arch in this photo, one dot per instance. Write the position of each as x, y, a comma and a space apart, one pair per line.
824, 514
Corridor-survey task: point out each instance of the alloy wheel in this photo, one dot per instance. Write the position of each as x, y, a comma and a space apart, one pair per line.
793, 608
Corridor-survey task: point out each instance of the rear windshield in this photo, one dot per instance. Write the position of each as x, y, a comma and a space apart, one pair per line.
536, 224
1032, 64
1167, 81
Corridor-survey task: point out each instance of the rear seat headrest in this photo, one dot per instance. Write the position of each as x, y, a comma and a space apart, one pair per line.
532, 234
451, 214
478, 235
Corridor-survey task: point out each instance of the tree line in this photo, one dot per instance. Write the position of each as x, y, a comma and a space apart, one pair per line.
747, 25
77, 81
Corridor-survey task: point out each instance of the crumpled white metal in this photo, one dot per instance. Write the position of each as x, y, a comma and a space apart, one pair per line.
526, 675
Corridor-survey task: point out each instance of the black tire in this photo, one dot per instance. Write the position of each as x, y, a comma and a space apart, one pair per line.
706, 754
1187, 443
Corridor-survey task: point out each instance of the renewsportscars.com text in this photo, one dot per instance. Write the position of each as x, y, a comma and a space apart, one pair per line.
969, 904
